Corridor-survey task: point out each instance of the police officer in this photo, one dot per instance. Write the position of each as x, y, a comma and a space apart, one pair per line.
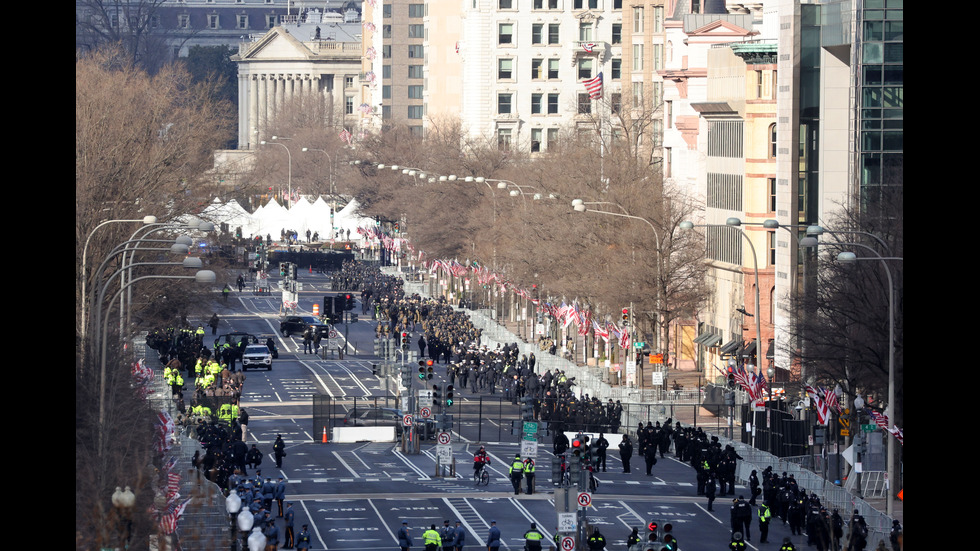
709, 491
404, 539
290, 517
304, 540
529, 475
737, 544
279, 450
493, 538
532, 539
516, 473
271, 532
743, 517
765, 516
633, 538
448, 535
280, 494
597, 542
460, 540
601, 444
431, 539
787, 545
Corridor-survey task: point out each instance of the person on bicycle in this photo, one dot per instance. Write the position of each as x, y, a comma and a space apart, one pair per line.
480, 459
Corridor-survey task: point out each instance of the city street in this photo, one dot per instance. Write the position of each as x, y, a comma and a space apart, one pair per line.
356, 495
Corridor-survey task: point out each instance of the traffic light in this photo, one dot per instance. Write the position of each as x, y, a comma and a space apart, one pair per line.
397, 227
527, 408
449, 395
338, 304
626, 317
282, 269
348, 301
436, 395
292, 271
406, 377
429, 371
404, 341
654, 533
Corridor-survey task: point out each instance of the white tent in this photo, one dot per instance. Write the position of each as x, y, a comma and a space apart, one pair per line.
272, 218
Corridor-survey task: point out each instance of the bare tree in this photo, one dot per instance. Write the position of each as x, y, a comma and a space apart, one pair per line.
142, 144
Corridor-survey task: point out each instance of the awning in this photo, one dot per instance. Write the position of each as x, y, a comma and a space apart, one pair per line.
730, 346
771, 350
747, 350
708, 339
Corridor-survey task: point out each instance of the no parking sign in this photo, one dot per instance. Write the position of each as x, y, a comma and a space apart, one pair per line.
568, 543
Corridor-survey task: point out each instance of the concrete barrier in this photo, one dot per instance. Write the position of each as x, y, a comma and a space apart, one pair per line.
363, 434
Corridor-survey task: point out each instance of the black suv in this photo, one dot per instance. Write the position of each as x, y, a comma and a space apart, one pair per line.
296, 324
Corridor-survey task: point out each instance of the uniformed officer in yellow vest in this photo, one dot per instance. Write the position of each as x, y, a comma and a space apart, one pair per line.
517, 473
431, 539
532, 539
177, 382
529, 475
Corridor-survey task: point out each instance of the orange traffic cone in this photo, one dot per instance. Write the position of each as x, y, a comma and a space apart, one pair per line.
311, 268
324, 435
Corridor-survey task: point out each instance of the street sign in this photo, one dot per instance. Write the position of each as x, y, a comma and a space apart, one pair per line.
567, 543
444, 453
425, 396
530, 427
529, 448
425, 413
567, 522
444, 437
584, 499
658, 378
407, 420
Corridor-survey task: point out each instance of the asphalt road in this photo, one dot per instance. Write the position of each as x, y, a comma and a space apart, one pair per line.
355, 496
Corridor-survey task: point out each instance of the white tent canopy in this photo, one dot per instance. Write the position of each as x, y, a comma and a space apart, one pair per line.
272, 218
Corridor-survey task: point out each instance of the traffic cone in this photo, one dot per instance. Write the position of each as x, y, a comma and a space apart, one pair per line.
324, 435
311, 268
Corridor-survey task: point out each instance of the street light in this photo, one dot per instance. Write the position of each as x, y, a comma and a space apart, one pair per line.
580, 206
847, 257
289, 178
734, 223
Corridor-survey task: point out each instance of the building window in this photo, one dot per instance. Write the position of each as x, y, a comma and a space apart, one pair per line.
771, 242
537, 33
505, 33
580, 4
385, 31
386, 112
416, 10
415, 71
536, 103
658, 19
637, 19
637, 95
415, 91
386, 51
772, 141
658, 57
553, 33
669, 112
505, 69
553, 68
415, 51
386, 71
536, 135
416, 131
386, 91
772, 194
505, 4
617, 33
584, 68
638, 50
386, 11
349, 105
553, 104
348, 82
504, 103
504, 138
213, 21
552, 4
585, 31
184, 21
242, 21
416, 31
537, 4
616, 104
270, 21
415, 111
584, 104
552, 138
617, 68
537, 68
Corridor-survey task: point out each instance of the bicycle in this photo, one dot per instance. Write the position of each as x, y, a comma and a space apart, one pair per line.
481, 476
565, 477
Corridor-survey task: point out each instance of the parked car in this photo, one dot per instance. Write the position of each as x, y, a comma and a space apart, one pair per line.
257, 355
371, 416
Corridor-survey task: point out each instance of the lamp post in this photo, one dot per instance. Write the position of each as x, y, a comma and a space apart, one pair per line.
734, 223
123, 501
233, 504
580, 206
847, 257
289, 174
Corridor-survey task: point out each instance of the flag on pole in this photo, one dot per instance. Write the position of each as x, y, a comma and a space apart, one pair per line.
833, 400
346, 136
823, 412
594, 86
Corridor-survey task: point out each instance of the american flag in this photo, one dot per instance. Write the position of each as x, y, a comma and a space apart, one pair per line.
583, 322
823, 412
588, 46
832, 397
594, 86
168, 521
624, 338
881, 420
600, 330
346, 136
